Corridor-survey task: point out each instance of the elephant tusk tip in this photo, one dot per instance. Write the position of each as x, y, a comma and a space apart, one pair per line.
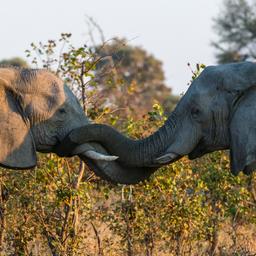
166, 158
114, 157
98, 156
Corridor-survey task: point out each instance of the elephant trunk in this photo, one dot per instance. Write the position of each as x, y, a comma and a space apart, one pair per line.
130, 152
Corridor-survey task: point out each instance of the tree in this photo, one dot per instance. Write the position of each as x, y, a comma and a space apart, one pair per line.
16, 61
131, 78
236, 30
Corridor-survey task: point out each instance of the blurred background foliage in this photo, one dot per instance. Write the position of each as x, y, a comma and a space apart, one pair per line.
16, 61
187, 208
235, 28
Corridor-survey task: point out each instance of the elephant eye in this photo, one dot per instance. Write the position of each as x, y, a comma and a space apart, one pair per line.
62, 111
195, 112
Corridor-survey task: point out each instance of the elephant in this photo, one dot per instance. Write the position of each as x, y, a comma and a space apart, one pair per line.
216, 113
38, 111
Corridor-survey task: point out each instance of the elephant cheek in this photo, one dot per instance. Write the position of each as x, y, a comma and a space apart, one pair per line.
198, 151
186, 140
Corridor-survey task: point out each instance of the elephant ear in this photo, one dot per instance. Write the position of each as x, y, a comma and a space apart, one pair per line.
17, 149
243, 134
236, 78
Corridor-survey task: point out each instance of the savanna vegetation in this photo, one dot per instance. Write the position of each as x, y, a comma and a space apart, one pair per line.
61, 208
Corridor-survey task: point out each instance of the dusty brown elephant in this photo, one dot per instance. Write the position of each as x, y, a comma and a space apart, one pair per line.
37, 112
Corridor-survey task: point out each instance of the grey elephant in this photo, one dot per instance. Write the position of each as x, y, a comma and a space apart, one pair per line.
37, 112
217, 112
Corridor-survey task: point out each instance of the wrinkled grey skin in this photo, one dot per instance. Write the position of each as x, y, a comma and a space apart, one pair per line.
37, 112
217, 112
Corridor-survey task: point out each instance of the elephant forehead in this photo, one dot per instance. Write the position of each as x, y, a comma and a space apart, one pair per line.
50, 86
200, 94
27, 75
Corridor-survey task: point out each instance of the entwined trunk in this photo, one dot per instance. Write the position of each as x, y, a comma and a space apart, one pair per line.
131, 152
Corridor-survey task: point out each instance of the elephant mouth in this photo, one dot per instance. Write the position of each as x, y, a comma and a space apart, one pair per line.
46, 148
199, 150
202, 148
194, 154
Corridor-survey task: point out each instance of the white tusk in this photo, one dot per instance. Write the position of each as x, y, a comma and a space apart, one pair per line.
166, 158
98, 156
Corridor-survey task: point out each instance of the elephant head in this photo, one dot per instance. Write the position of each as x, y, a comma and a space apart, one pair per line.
217, 112
37, 112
